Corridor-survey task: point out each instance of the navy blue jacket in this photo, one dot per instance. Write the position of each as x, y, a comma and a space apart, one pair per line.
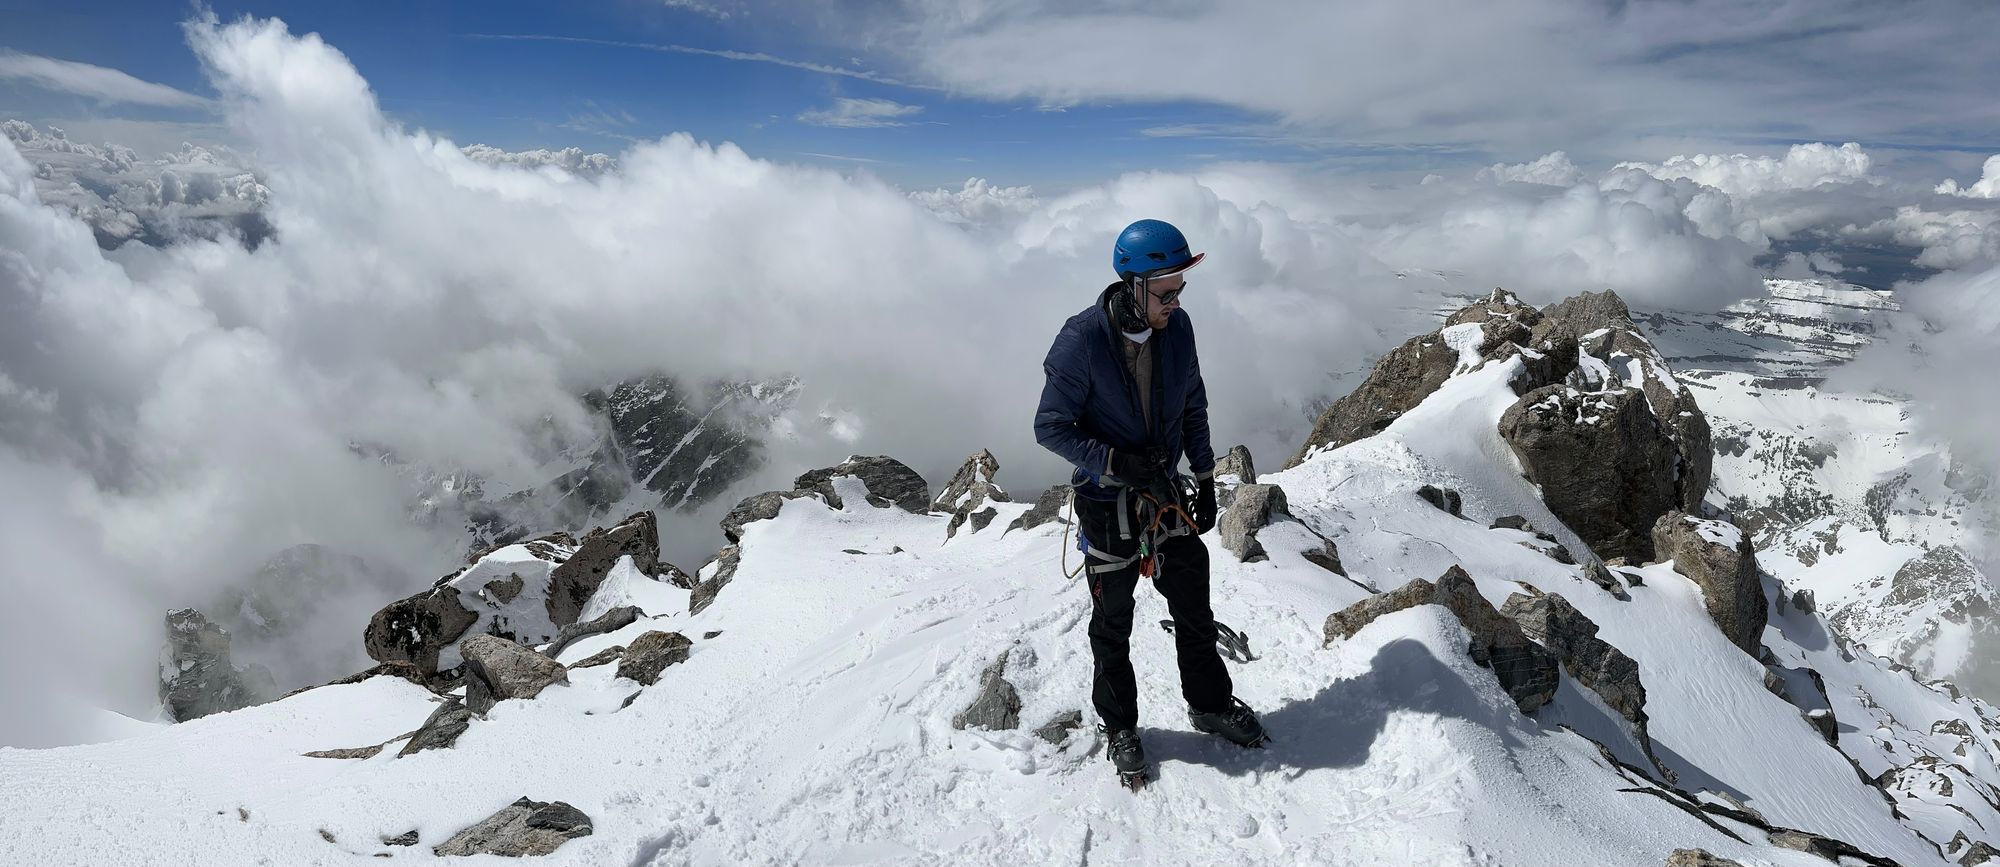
1090, 402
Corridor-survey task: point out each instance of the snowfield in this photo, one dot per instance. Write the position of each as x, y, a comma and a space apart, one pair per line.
812, 721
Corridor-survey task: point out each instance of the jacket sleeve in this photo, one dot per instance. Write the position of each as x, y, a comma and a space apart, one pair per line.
1064, 395
1194, 420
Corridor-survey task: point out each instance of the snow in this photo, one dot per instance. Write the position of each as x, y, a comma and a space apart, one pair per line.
814, 725
1464, 339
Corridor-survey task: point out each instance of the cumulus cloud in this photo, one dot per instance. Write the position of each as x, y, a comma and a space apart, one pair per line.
1553, 169
859, 113
1803, 167
191, 192
977, 202
571, 159
1987, 187
96, 82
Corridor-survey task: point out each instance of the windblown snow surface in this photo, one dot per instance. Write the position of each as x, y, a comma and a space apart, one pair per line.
812, 723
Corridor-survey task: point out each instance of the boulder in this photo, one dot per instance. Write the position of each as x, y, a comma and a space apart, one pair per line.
705, 590
1551, 621
197, 677
1803, 600
970, 491
1528, 672
1978, 853
997, 707
1255, 507
417, 628
756, 507
1602, 576
1048, 507
603, 657
651, 653
1718, 557
616, 618
497, 669
1057, 730
1445, 499
1604, 464
890, 483
1236, 462
523, 828
573, 582
1822, 721
441, 729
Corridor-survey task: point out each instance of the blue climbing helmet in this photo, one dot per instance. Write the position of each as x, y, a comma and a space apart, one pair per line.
1151, 248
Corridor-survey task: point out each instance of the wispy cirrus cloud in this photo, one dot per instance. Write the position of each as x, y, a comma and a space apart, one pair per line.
90, 80
861, 113
725, 54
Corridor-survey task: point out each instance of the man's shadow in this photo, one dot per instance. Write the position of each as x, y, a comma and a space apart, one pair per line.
1337, 727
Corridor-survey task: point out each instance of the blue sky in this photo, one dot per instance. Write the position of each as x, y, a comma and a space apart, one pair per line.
433, 65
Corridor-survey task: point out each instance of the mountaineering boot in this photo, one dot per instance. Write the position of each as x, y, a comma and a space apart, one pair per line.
1123, 749
1238, 723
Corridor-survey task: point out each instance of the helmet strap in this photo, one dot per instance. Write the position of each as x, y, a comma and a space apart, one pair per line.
1129, 306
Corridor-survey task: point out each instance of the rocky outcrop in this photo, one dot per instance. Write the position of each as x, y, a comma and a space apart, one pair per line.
1254, 508
1698, 858
712, 577
1527, 672
497, 669
1496, 328
890, 482
197, 677
969, 492
441, 729
1237, 463
651, 653
1048, 507
1446, 500
1057, 730
523, 828
525, 592
1604, 464
997, 707
1549, 620
756, 507
1719, 558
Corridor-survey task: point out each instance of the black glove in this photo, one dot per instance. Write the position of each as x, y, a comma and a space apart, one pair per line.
1204, 506
1132, 469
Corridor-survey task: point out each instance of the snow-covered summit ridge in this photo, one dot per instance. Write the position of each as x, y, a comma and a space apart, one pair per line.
810, 719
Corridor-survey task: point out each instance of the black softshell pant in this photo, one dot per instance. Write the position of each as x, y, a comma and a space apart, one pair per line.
1183, 581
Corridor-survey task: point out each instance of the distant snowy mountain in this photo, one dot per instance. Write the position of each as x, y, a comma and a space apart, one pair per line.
1846, 495
1451, 671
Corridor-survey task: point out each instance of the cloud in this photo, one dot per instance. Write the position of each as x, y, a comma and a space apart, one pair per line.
192, 192
573, 160
741, 56
1987, 187
1803, 167
96, 82
978, 202
1553, 169
857, 113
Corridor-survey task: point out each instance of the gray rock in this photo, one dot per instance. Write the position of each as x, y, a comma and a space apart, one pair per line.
1803, 600
970, 492
407, 838
1728, 576
1603, 577
1822, 721
616, 618
197, 677
497, 669
603, 657
756, 507
1057, 730
1699, 858
1787, 838
1445, 499
1527, 672
997, 707
890, 483
1605, 465
651, 653
1326, 557
1551, 621
573, 583
1255, 507
367, 752
1978, 853
1237, 463
522, 828
1048, 507
415, 628
441, 729
725, 563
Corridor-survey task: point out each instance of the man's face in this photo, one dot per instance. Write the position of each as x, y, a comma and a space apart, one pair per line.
1166, 299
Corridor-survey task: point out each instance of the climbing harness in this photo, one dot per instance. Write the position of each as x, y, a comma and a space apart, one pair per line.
1154, 532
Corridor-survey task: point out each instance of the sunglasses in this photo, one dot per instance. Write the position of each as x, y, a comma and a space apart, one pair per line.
1169, 296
